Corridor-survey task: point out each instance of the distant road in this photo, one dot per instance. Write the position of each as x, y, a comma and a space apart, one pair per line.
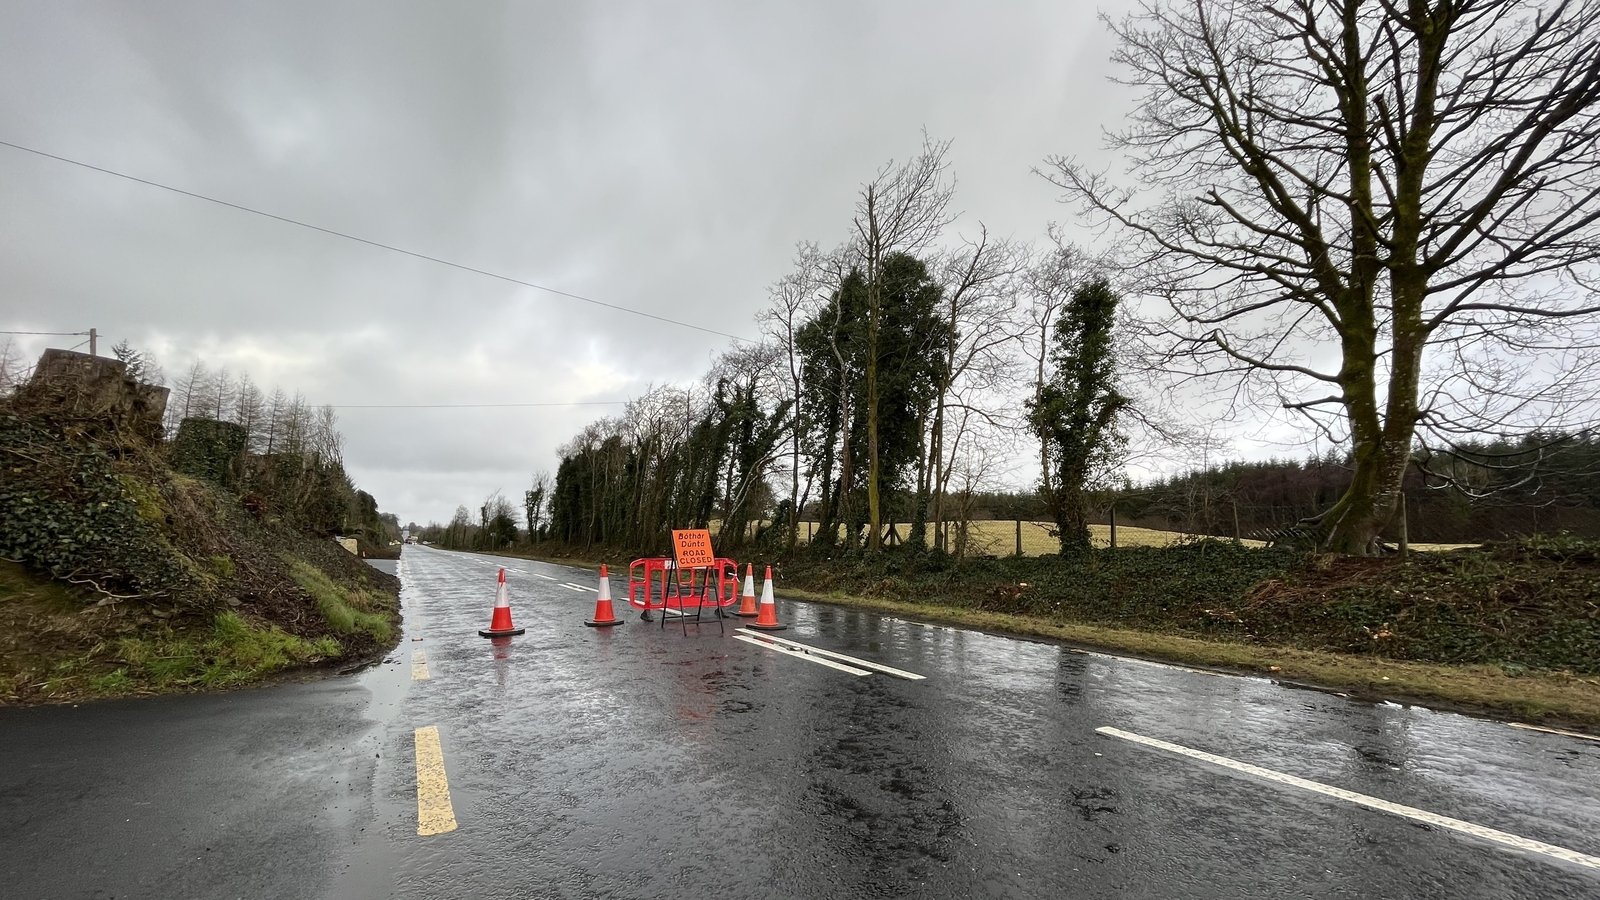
643, 762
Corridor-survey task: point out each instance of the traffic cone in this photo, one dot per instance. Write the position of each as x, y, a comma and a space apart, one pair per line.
767, 619
747, 600
604, 615
500, 625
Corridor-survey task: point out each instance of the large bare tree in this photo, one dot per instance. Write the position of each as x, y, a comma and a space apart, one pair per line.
1382, 212
903, 209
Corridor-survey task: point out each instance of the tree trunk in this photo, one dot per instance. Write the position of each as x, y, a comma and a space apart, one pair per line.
874, 509
1072, 517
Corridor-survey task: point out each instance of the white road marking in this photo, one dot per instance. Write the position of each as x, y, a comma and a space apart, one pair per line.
546, 577
807, 648
797, 654
1409, 812
1571, 734
572, 587
1151, 662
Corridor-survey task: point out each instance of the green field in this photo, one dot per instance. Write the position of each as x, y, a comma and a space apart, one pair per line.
999, 537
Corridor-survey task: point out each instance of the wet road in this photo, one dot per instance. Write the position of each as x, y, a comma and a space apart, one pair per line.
640, 762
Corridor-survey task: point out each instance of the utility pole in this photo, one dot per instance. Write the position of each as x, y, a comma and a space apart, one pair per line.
94, 338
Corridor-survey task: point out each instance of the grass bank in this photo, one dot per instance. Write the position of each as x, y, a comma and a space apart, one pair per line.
1511, 631
57, 646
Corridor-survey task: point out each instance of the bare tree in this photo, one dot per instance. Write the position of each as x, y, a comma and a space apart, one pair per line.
795, 298
13, 367
979, 283
247, 408
903, 209
188, 396
274, 422
1052, 278
1409, 185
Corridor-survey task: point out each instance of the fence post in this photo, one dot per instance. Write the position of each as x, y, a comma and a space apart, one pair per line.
1236, 535
1405, 530
1019, 537
1113, 526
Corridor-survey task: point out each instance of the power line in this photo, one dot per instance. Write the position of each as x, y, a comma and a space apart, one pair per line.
474, 405
49, 333
390, 247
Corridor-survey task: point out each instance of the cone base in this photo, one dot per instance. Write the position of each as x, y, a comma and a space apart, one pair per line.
746, 615
594, 623
503, 632
760, 627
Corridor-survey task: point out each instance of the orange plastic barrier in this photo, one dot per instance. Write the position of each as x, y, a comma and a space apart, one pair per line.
655, 582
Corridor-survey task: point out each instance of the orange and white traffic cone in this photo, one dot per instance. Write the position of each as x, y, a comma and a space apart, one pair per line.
747, 599
767, 618
500, 625
604, 615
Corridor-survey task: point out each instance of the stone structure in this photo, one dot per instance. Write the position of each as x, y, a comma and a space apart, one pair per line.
95, 389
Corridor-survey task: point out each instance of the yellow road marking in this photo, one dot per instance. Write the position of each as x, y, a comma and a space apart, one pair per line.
435, 815
419, 665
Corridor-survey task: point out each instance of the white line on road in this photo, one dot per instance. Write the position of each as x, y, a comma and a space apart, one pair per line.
1571, 734
572, 587
1151, 662
546, 577
807, 648
1409, 812
800, 654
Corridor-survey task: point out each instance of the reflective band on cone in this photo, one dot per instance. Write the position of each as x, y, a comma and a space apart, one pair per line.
767, 619
500, 625
747, 599
604, 615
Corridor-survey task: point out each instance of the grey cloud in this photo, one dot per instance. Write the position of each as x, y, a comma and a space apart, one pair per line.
663, 156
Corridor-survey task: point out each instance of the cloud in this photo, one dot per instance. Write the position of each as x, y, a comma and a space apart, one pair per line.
661, 156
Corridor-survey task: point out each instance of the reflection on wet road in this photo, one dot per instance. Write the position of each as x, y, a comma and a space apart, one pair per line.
638, 761
696, 761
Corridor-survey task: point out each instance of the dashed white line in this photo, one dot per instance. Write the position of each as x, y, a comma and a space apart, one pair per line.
807, 648
545, 577
1505, 839
572, 587
798, 654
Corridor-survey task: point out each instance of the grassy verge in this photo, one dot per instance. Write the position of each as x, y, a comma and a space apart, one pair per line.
55, 646
349, 611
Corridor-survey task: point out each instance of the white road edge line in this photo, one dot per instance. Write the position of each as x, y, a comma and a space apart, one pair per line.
1159, 665
801, 655
807, 648
1571, 734
546, 577
571, 587
1419, 815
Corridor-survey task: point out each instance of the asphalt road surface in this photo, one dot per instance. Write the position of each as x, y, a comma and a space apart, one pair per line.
643, 762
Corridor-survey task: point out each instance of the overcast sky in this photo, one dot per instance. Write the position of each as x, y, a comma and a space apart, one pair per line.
663, 156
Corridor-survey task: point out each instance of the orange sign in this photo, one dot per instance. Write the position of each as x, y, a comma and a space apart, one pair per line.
693, 548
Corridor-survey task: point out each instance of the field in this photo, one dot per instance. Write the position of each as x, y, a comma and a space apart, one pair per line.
999, 537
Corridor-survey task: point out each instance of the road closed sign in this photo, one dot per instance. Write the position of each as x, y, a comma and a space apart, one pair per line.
693, 548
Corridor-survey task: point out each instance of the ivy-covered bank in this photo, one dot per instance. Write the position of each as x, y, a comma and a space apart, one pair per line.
121, 574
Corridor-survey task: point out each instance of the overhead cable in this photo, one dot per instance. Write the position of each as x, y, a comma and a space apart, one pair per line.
390, 247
